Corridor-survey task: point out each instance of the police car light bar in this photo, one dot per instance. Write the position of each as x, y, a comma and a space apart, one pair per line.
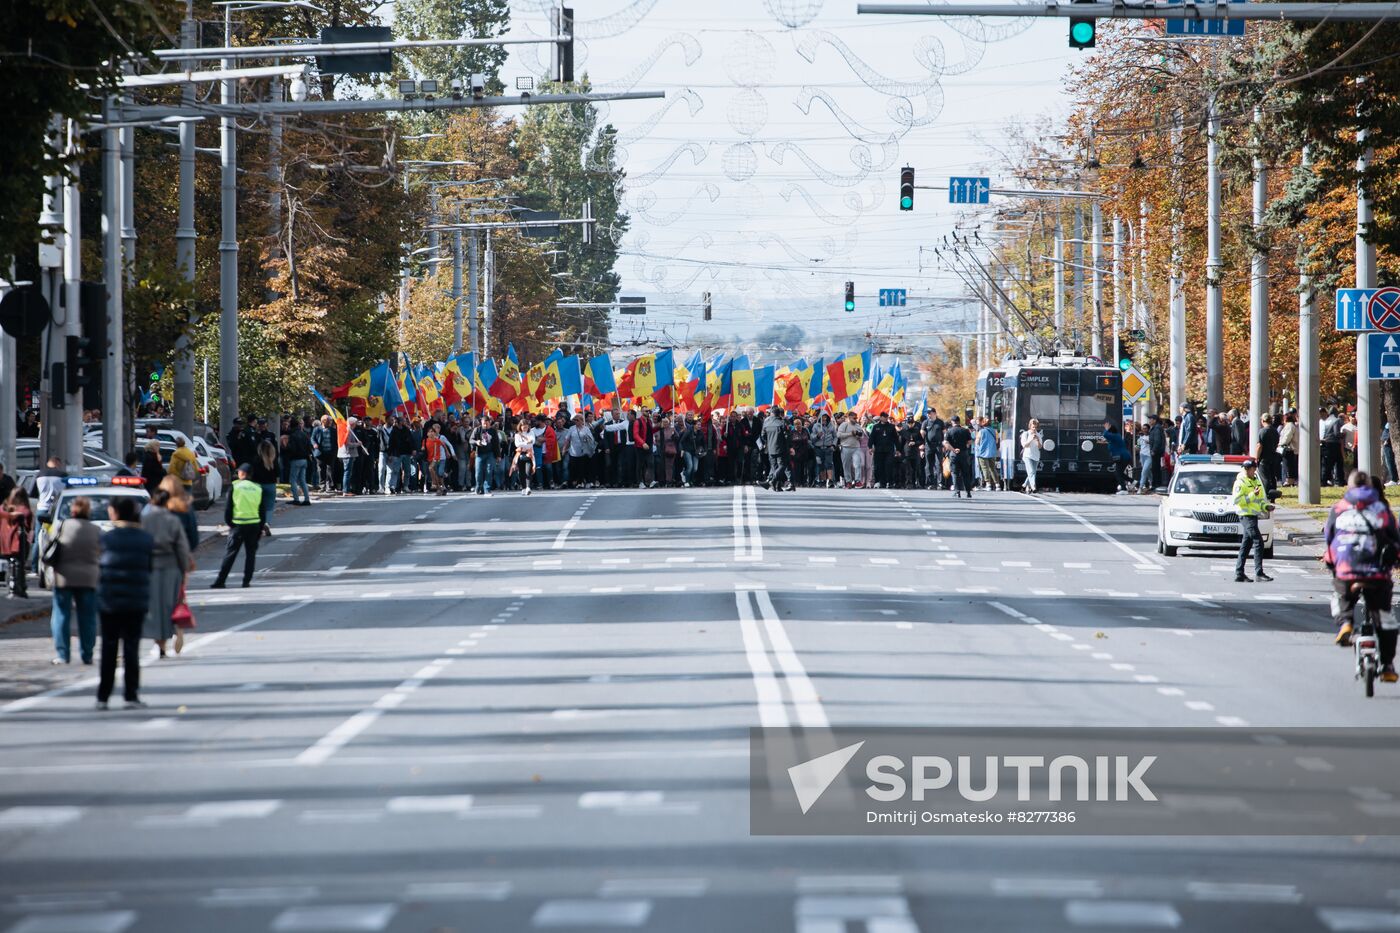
127, 481
80, 481
1212, 458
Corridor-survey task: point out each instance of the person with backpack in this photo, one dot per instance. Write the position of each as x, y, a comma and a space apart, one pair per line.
1252, 502
1362, 543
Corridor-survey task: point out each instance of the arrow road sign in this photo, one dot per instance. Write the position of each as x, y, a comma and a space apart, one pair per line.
1383, 354
893, 297
1204, 27
969, 189
1351, 308
1383, 309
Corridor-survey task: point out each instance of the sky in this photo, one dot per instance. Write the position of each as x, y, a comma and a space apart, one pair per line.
769, 175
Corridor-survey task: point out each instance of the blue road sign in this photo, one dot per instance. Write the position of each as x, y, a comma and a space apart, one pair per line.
893, 297
1205, 27
1351, 308
1383, 355
970, 189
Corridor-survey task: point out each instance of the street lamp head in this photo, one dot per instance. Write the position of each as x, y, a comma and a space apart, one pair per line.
297, 88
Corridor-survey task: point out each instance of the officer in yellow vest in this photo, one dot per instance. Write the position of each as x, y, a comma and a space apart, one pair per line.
243, 515
1253, 504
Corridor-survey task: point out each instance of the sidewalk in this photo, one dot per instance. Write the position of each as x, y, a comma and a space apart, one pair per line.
1295, 526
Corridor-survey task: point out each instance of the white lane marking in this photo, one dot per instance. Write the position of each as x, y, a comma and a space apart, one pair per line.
218, 810
1102, 656
502, 811
748, 540
332, 741
586, 913
350, 918
1170, 691
1200, 706
38, 817
897, 589
1121, 666
737, 519
107, 921
654, 887
680, 560
829, 914
850, 884
832, 587
1122, 914
804, 696
430, 804
377, 594
1015, 563
15, 706
449, 592
771, 710
1146, 679
1234, 721
821, 560
1200, 601
1315, 765
1357, 919
680, 588
569, 526
1002, 607
1243, 891
458, 890
1077, 565
1137, 557
884, 560
617, 560
548, 563
1047, 592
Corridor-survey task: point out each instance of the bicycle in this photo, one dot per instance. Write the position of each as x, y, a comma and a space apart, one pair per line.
1368, 653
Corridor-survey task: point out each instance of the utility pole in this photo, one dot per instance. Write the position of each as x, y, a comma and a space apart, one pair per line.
490, 286
1367, 425
1258, 293
1096, 283
1117, 287
228, 247
1176, 285
456, 292
1215, 332
113, 440
1078, 278
474, 292
185, 236
1058, 277
1309, 450
68, 428
51, 270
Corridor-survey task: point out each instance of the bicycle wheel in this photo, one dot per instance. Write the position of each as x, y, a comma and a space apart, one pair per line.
1368, 676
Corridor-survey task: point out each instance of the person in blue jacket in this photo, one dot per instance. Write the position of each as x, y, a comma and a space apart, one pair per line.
1118, 452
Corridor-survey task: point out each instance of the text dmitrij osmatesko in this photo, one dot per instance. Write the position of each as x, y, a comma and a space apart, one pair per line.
1103, 778
916, 817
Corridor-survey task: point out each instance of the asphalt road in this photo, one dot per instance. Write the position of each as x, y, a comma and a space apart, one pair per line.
467, 714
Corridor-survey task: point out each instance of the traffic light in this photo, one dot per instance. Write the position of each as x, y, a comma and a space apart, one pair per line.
906, 188
850, 297
1082, 30
82, 368
707, 306
1127, 348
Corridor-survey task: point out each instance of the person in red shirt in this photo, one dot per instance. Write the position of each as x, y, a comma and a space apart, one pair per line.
438, 451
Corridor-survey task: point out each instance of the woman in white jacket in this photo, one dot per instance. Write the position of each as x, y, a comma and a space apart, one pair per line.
1032, 442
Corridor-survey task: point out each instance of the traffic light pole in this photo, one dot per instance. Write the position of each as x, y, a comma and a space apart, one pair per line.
113, 440
1258, 294
1215, 332
1300, 12
1309, 450
70, 423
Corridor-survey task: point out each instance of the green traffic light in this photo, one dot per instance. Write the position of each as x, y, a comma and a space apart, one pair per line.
1083, 33
1125, 364
850, 306
906, 202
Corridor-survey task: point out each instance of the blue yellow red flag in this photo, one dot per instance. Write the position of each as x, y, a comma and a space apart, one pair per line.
598, 376
763, 378
847, 374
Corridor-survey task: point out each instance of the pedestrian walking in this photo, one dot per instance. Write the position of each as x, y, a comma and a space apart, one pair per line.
73, 553
1253, 504
987, 454
1118, 454
170, 561
265, 475
957, 440
123, 599
1032, 443
152, 471
16, 539
243, 515
852, 463
349, 449
296, 448
524, 458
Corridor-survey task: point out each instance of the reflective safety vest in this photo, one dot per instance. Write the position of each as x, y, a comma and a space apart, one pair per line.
1249, 496
247, 502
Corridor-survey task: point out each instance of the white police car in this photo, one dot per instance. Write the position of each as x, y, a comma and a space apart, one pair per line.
101, 494
1198, 512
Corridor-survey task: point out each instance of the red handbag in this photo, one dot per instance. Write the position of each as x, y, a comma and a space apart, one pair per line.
181, 616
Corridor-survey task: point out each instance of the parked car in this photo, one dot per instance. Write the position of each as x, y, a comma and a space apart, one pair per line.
96, 463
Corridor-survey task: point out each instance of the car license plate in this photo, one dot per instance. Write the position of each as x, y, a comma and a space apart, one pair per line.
1222, 529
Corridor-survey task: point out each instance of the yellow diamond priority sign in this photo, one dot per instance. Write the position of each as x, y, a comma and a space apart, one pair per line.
1135, 385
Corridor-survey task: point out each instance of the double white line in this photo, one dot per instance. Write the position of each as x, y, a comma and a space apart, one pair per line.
785, 694
748, 541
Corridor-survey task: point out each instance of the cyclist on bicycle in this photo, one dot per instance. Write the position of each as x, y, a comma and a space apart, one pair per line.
524, 453
1362, 544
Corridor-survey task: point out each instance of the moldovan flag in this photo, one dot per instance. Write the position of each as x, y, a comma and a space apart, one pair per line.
690, 384
847, 374
816, 384
598, 376
330, 409
385, 384
457, 378
741, 383
507, 383
763, 386
651, 376
718, 383
568, 373
485, 401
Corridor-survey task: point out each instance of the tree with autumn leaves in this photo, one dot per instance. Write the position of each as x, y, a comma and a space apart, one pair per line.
1137, 135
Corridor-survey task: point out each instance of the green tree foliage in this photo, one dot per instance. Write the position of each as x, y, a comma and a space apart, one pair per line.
48, 49
452, 19
567, 159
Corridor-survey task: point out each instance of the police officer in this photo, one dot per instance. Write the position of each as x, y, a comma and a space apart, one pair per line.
1253, 504
243, 515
